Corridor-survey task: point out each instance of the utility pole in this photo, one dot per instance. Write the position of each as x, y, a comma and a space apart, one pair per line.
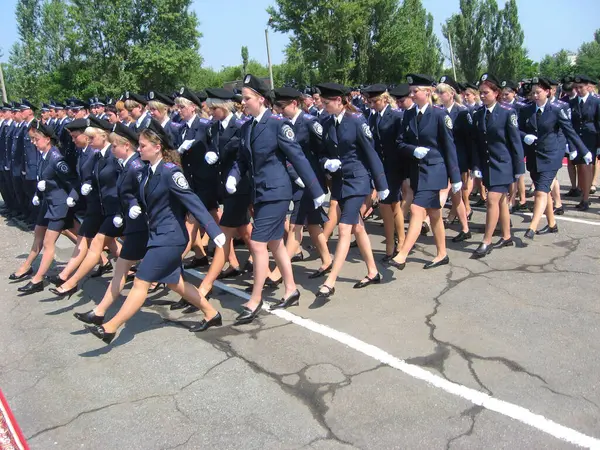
4, 98
451, 54
269, 54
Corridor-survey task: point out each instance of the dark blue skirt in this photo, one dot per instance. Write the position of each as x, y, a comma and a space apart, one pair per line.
235, 211
269, 220
304, 212
427, 199
90, 225
53, 224
134, 246
161, 264
394, 181
350, 207
107, 228
543, 180
499, 188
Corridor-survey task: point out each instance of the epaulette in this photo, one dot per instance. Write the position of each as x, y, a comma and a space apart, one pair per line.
439, 106
518, 102
560, 103
240, 122
136, 163
357, 115
55, 153
170, 165
277, 116
203, 120
309, 116
504, 106
461, 107
176, 124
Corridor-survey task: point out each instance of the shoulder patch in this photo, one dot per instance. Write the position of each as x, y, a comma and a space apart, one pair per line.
563, 114
170, 165
288, 132
357, 115
513, 120
308, 116
276, 116
136, 164
367, 130
448, 122
180, 180
204, 121
318, 128
504, 106
438, 106
175, 124
62, 167
470, 119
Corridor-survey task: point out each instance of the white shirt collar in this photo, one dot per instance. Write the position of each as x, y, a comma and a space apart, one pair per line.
165, 122
191, 121
84, 149
103, 151
450, 109
128, 158
226, 120
490, 109
320, 111
138, 122
239, 114
260, 116
382, 112
296, 117
541, 107
155, 165
10, 121
28, 123
425, 106
584, 99
340, 116
45, 155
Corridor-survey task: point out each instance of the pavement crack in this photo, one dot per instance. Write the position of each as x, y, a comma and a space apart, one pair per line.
472, 413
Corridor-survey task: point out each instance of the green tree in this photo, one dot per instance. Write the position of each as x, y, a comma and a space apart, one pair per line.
467, 34
244, 60
588, 57
556, 66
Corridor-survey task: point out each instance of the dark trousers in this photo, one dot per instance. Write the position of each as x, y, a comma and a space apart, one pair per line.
20, 196
29, 187
10, 199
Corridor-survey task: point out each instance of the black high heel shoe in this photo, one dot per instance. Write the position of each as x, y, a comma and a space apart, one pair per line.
64, 294
248, 315
31, 287
269, 283
89, 317
101, 270
23, 276
204, 325
101, 333
292, 300
157, 287
470, 215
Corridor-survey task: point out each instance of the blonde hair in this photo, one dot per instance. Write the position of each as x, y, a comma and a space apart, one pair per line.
182, 101
389, 99
227, 105
443, 87
92, 132
120, 105
169, 155
117, 139
130, 104
161, 107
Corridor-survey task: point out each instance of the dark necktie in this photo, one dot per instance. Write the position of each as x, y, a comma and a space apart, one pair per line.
580, 106
221, 129
150, 175
419, 117
487, 116
538, 113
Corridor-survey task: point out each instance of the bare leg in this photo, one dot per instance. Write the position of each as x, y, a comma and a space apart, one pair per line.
77, 257
555, 191
492, 215
260, 256
364, 246
341, 251
584, 173
132, 304
407, 197
572, 174
417, 216
334, 217
36, 248
389, 227
47, 256
282, 259
115, 286
292, 244
505, 218
439, 234
91, 259
539, 206
191, 294
461, 210
467, 187
318, 238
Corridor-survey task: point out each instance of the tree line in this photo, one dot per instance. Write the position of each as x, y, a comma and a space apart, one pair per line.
91, 47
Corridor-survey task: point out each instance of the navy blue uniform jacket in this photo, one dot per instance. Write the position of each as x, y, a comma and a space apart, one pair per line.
128, 186
60, 180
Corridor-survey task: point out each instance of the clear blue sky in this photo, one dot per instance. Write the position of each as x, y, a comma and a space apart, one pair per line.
543, 21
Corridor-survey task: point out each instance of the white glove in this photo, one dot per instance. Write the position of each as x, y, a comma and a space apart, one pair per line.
572, 155
231, 184
211, 158
476, 174
86, 188
118, 221
588, 157
319, 200
35, 200
456, 187
299, 182
332, 165
383, 194
185, 146
134, 212
519, 175
220, 240
420, 152
41, 185
530, 139
23, 173
70, 202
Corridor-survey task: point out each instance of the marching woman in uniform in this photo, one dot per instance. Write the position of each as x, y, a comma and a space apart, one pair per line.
349, 155
267, 143
103, 180
124, 143
498, 161
159, 105
540, 124
385, 125
426, 138
309, 134
165, 197
136, 105
462, 132
55, 180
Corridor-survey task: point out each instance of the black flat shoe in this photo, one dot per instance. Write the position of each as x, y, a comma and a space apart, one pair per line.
321, 272
238, 242
573, 193
292, 300
247, 315
470, 216
330, 291
31, 288
520, 207
530, 234
179, 305
482, 251
353, 244
480, 203
89, 317
397, 265
197, 262
230, 272
23, 276
248, 267
191, 309
583, 206
56, 280
157, 287
367, 281
504, 243
297, 257
442, 262
129, 277
204, 325
560, 211
548, 229
462, 236
425, 229
100, 333
101, 270
63, 294
269, 283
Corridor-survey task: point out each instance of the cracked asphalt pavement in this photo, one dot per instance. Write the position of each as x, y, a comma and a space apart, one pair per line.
521, 325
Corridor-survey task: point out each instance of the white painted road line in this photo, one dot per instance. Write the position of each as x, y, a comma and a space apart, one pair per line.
507, 409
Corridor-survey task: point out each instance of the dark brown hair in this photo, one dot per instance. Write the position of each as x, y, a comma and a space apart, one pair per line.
169, 155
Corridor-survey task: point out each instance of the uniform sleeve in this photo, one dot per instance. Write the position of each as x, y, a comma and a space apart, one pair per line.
241, 164
448, 147
514, 143
179, 186
286, 140
67, 179
131, 186
597, 123
574, 141
405, 149
367, 145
